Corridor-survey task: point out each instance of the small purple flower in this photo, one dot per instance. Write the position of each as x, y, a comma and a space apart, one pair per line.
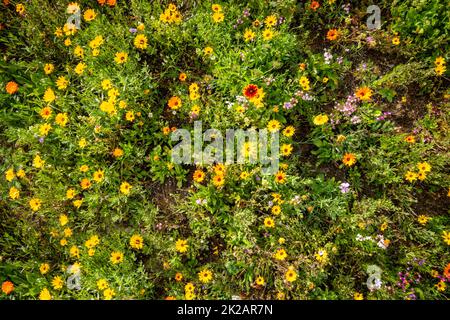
133, 30
246, 13
340, 60
287, 105
240, 21
41, 139
198, 201
344, 187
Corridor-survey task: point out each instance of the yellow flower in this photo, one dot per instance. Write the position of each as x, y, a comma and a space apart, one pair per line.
44, 268
276, 210
290, 275
140, 41
102, 284
137, 242
423, 219
48, 68
205, 276
411, 176
79, 52
14, 193
446, 237
267, 34
9, 174
270, 21
44, 129
57, 283
77, 203
424, 167
320, 119
269, 222
304, 82
216, 8
121, 57
129, 116
349, 159
82, 143
89, 15
49, 95
45, 294
98, 175
107, 107
61, 119
20, 173
106, 84
46, 112
208, 51
358, 296
141, 27
116, 257
181, 245
63, 220
280, 254
109, 294
35, 204
68, 232
396, 41
441, 286
67, 42
286, 149
218, 17
249, 35
117, 152
125, 188
79, 69
70, 193
273, 126
20, 8
439, 61
260, 281
74, 252
62, 83
321, 256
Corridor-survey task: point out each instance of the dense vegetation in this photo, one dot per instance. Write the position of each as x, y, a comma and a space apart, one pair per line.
92, 207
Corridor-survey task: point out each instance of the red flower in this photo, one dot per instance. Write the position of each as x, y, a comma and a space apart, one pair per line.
314, 5
250, 91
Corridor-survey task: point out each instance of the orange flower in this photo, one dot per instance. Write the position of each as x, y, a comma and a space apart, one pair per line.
111, 3
250, 91
199, 175
349, 159
410, 139
363, 93
446, 272
332, 34
182, 76
7, 287
280, 177
174, 103
12, 87
85, 183
314, 5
